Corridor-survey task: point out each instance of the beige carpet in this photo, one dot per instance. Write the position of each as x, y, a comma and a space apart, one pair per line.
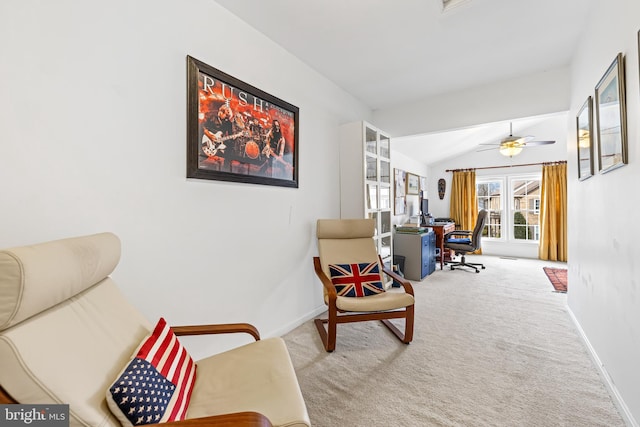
496, 348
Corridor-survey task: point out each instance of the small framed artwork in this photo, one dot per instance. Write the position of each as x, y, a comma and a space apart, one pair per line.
423, 185
413, 184
611, 120
584, 124
236, 132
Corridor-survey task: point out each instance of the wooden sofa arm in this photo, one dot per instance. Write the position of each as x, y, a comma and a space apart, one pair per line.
326, 282
238, 419
224, 328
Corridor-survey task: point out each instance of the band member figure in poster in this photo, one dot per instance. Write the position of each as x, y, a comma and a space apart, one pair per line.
219, 136
273, 151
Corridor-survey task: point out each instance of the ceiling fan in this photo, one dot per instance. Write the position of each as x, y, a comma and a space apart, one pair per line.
513, 145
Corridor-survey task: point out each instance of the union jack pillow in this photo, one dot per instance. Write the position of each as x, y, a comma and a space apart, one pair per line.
156, 384
356, 280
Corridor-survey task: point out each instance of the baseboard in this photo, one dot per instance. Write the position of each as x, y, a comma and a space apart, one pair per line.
292, 325
618, 401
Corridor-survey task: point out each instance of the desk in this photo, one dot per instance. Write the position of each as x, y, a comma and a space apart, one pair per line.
440, 229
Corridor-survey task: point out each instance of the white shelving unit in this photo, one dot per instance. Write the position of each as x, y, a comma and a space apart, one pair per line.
365, 180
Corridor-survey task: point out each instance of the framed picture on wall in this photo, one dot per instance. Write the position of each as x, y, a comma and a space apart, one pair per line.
236, 132
413, 184
584, 124
611, 117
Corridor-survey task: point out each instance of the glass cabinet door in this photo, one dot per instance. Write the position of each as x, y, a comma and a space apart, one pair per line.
371, 138
385, 171
375, 179
385, 198
372, 196
385, 248
385, 146
372, 168
385, 222
374, 216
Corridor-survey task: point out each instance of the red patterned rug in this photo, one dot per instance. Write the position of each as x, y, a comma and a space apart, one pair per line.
558, 278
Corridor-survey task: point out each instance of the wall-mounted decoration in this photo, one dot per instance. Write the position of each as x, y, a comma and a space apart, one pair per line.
584, 124
442, 185
413, 184
611, 117
236, 132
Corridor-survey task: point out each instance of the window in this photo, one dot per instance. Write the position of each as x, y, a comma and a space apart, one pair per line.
525, 196
489, 195
513, 206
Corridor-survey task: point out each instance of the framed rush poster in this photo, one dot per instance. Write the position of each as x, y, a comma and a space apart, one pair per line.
236, 132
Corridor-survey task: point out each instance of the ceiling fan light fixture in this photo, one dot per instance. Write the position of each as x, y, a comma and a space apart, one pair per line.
511, 148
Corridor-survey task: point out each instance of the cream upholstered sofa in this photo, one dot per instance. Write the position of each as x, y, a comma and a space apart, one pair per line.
66, 332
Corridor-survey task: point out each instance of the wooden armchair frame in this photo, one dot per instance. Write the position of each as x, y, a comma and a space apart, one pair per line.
239, 419
328, 335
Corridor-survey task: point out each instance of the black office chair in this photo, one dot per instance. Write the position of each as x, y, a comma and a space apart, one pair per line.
464, 245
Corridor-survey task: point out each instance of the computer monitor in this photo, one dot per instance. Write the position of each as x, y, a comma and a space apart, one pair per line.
424, 212
424, 207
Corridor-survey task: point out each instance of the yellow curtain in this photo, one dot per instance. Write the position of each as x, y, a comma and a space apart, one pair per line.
464, 204
553, 213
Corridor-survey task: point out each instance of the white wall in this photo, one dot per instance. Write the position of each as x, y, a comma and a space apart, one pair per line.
604, 289
92, 131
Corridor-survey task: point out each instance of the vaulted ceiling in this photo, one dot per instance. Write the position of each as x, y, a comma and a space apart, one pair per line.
389, 52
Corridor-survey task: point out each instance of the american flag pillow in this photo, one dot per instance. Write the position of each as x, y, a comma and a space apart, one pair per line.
356, 280
156, 384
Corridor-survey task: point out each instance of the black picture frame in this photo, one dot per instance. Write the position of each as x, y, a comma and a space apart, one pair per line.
611, 117
584, 139
237, 132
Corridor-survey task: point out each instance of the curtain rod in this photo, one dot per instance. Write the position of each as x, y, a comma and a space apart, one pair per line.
559, 162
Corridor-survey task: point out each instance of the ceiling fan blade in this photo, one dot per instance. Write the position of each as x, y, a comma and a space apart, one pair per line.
487, 149
540, 142
490, 143
515, 138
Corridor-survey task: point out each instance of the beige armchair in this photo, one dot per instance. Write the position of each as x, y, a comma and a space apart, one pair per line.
66, 332
350, 241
